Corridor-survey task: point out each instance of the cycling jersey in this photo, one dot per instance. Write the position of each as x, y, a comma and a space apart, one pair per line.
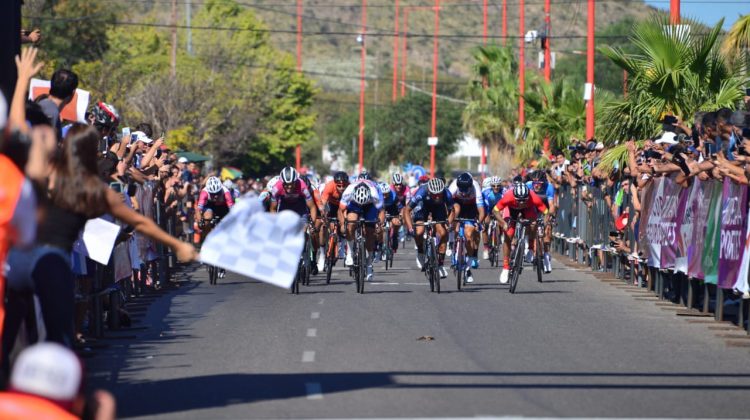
296, 199
391, 203
369, 210
423, 204
265, 199
331, 196
402, 197
490, 198
470, 201
509, 207
214, 201
543, 189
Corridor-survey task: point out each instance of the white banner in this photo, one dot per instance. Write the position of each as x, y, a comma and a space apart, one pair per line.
99, 237
74, 111
256, 244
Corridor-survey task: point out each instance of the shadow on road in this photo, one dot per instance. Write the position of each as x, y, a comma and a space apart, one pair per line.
203, 392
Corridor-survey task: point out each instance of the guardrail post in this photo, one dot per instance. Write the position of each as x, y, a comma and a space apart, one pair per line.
719, 305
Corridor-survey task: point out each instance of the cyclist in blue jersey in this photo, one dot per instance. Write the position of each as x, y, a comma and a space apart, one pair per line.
491, 196
433, 201
468, 204
392, 206
537, 181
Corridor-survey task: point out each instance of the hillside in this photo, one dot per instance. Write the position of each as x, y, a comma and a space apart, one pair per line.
330, 27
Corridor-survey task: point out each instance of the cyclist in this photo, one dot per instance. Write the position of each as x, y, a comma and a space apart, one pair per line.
265, 195
330, 199
491, 196
214, 200
312, 186
537, 182
468, 204
403, 195
519, 201
393, 209
362, 199
291, 193
430, 200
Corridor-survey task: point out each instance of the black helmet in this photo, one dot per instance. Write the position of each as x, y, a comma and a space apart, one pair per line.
105, 115
341, 176
464, 181
365, 175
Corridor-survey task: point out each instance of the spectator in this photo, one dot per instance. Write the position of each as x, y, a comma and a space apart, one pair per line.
62, 89
31, 37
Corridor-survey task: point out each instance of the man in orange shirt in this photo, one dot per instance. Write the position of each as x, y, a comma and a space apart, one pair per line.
330, 199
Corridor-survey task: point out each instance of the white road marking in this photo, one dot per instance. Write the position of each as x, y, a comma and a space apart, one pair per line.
320, 302
315, 315
314, 391
312, 332
308, 356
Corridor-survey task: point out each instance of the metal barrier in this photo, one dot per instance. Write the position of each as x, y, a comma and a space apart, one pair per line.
691, 244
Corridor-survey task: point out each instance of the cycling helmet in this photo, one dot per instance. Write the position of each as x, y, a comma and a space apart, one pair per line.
361, 194
314, 182
423, 179
384, 188
520, 191
397, 179
341, 176
105, 115
213, 185
464, 181
495, 180
289, 175
435, 186
364, 175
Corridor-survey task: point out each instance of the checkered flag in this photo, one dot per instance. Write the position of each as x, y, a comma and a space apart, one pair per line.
256, 244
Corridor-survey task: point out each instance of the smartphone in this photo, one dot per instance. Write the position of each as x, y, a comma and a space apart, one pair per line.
116, 186
670, 120
747, 91
125, 131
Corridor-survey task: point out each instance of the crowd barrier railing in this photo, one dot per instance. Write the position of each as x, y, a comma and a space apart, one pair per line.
690, 244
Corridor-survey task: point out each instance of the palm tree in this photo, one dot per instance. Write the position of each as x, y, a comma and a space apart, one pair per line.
737, 40
491, 115
675, 71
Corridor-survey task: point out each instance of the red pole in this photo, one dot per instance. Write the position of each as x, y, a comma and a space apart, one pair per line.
547, 48
434, 84
395, 55
590, 72
404, 55
362, 89
521, 66
674, 12
298, 152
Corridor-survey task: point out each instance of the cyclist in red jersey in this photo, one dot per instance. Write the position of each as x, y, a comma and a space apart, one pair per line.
518, 201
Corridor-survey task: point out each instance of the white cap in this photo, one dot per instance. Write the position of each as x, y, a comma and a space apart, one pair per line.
182, 159
48, 370
141, 136
599, 146
668, 138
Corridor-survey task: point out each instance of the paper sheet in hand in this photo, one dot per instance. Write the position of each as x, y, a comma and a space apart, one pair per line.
256, 244
99, 237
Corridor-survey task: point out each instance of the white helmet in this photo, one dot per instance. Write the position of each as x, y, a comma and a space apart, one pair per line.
289, 175
384, 188
435, 186
213, 185
361, 194
496, 180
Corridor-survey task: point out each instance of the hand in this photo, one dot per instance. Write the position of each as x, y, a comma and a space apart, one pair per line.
185, 252
26, 65
121, 168
630, 144
158, 142
35, 35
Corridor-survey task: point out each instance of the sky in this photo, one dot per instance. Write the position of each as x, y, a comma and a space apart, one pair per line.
709, 11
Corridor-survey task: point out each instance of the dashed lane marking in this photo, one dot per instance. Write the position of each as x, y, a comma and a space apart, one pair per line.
312, 332
308, 356
315, 315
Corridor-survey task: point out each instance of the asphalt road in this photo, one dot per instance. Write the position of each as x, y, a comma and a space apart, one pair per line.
571, 346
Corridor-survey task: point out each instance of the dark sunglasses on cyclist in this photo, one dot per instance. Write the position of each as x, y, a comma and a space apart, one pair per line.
288, 186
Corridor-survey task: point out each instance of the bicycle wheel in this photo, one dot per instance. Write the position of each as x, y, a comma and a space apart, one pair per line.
308, 268
429, 266
362, 265
435, 270
297, 277
539, 263
460, 264
330, 258
517, 267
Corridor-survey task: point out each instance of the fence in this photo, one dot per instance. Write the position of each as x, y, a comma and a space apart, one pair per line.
687, 244
112, 286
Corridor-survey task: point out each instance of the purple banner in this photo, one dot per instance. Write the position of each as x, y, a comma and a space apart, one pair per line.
733, 209
684, 228
646, 204
699, 205
667, 233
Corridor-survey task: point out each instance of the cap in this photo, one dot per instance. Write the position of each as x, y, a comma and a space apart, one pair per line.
599, 146
182, 159
590, 146
622, 221
141, 136
667, 137
47, 370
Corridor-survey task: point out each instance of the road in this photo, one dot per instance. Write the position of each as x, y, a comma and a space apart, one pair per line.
571, 346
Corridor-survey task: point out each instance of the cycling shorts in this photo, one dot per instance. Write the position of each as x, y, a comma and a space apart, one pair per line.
439, 213
369, 211
468, 212
392, 210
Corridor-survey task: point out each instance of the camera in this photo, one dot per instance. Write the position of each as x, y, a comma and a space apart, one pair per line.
652, 154
670, 120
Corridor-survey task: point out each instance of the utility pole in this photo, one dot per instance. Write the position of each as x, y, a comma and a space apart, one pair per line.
674, 12
362, 89
188, 17
298, 151
521, 65
395, 54
174, 39
483, 161
434, 85
547, 58
590, 72
484, 22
